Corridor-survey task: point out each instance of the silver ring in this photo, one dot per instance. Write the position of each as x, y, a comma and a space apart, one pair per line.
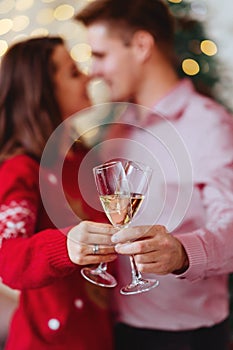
95, 249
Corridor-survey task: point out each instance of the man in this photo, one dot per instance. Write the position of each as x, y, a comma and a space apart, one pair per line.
191, 246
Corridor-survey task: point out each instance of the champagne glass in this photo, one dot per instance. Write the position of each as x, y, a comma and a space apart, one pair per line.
138, 176
113, 190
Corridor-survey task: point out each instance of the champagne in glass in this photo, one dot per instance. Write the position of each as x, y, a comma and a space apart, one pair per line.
136, 202
138, 176
113, 190
117, 209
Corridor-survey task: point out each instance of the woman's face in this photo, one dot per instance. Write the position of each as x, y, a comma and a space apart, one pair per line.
70, 83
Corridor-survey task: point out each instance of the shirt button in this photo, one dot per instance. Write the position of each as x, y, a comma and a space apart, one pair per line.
54, 324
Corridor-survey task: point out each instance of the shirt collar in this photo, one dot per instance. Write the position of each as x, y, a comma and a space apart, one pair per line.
172, 105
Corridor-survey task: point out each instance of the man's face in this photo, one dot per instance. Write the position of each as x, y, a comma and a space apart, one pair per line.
114, 62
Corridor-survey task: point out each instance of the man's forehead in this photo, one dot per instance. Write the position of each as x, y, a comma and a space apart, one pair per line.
97, 28
105, 30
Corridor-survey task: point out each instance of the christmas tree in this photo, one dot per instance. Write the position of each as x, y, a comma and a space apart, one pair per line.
195, 51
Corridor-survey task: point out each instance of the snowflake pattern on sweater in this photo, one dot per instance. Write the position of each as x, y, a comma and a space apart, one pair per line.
16, 220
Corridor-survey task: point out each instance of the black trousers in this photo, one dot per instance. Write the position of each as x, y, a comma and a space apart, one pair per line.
211, 338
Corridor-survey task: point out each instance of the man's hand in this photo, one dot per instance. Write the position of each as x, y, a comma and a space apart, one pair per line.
154, 249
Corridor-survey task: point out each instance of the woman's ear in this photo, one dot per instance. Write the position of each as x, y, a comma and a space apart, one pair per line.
143, 44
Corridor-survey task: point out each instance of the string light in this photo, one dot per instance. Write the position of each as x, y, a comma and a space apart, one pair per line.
208, 47
3, 47
6, 25
190, 66
23, 5
39, 32
64, 12
6, 6
175, 1
20, 23
81, 52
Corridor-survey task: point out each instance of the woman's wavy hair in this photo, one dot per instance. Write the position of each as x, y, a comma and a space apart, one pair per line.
29, 111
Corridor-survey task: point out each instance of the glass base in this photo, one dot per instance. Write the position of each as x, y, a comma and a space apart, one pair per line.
99, 277
140, 286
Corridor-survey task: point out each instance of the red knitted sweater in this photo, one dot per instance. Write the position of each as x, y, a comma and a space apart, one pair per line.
58, 309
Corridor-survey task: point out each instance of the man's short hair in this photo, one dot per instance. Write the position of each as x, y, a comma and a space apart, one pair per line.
127, 16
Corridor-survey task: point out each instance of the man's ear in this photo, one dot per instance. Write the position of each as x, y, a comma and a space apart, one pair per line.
143, 43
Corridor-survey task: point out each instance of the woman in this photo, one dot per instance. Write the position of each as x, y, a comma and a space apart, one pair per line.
40, 86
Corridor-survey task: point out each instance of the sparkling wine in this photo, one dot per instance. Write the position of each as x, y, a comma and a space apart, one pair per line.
136, 202
120, 209
117, 207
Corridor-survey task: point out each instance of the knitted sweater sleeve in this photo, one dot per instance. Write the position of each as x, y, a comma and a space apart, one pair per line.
27, 260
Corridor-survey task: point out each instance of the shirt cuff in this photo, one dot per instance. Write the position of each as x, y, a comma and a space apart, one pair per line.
194, 248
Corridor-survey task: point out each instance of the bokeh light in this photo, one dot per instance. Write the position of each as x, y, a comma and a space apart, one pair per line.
81, 52
39, 31
5, 25
64, 12
3, 47
20, 23
190, 66
19, 37
6, 6
208, 47
23, 5
175, 1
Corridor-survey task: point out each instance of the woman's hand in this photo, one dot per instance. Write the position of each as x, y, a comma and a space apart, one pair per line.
90, 243
155, 250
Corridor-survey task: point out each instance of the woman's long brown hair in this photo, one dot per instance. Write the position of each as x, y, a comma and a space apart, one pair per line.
29, 112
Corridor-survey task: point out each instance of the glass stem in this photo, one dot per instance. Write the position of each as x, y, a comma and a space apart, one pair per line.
136, 275
102, 267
